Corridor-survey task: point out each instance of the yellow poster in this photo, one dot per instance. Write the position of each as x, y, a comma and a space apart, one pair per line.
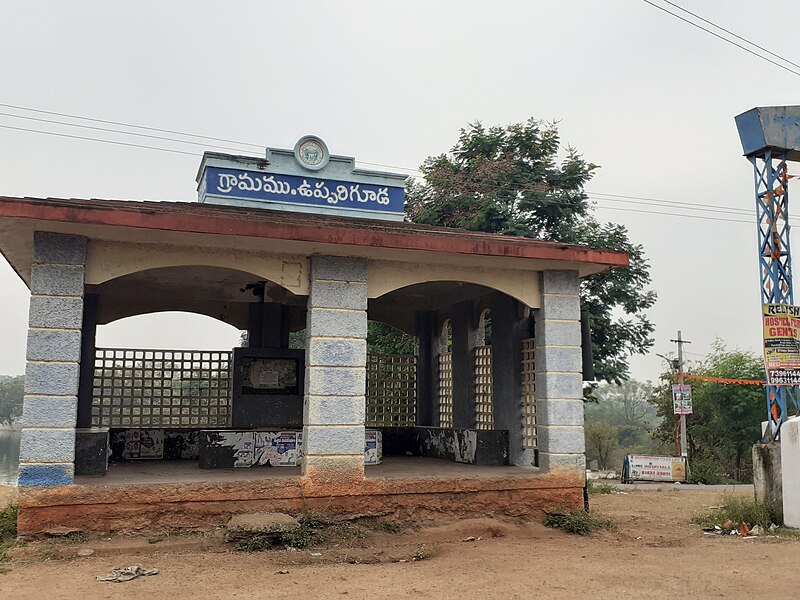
782, 343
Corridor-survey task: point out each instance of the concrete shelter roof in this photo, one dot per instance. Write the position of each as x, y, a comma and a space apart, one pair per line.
343, 234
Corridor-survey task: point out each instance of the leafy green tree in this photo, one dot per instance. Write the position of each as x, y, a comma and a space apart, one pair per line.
601, 441
628, 408
726, 421
510, 180
385, 339
11, 394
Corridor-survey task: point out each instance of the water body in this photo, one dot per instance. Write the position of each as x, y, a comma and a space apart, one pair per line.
9, 456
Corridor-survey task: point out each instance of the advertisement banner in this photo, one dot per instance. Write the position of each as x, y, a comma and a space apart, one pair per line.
781, 344
682, 399
654, 468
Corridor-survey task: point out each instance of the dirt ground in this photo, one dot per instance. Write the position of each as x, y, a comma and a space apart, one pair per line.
655, 553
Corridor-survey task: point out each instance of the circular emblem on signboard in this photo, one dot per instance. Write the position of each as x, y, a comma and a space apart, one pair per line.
311, 152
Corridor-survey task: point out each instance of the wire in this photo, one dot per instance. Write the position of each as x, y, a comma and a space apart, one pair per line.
673, 202
595, 196
724, 39
173, 151
117, 143
144, 135
194, 135
521, 187
738, 37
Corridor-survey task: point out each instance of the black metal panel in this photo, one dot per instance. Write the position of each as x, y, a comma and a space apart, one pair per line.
91, 451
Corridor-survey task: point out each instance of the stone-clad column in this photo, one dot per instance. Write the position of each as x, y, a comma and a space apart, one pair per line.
559, 380
336, 357
49, 414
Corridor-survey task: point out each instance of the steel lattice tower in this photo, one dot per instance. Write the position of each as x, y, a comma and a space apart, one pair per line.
770, 137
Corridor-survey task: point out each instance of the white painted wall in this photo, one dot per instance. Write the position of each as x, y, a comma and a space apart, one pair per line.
790, 465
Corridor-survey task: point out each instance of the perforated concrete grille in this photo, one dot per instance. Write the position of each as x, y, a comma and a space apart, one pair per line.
528, 392
446, 390
391, 390
484, 408
174, 388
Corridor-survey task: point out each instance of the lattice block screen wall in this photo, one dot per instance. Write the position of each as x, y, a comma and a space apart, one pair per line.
484, 407
391, 390
165, 388
529, 392
446, 390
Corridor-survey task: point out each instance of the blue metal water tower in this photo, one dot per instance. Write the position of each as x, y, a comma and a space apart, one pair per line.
770, 137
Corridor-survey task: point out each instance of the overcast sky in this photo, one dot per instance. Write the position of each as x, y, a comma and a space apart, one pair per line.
649, 98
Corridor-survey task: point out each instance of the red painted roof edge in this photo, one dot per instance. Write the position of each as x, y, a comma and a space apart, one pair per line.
223, 220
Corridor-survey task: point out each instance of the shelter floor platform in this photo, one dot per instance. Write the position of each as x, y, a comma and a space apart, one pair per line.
155, 496
186, 471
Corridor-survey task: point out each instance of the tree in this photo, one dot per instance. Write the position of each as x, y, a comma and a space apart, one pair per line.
726, 421
509, 180
385, 339
11, 394
628, 408
601, 441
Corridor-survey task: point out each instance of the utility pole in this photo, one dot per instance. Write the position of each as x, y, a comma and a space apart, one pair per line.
680, 343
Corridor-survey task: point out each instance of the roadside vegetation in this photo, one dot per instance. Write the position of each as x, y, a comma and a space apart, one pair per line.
317, 528
741, 509
579, 522
8, 530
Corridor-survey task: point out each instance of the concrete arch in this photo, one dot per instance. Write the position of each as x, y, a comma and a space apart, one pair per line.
110, 260
218, 292
386, 277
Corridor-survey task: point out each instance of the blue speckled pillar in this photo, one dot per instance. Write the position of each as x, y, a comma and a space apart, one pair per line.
336, 358
49, 415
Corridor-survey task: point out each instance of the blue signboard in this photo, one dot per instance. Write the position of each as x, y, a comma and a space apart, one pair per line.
254, 185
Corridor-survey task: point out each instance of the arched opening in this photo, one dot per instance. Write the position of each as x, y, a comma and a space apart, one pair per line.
171, 352
219, 292
169, 330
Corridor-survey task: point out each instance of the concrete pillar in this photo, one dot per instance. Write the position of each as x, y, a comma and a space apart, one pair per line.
47, 445
559, 383
465, 339
426, 368
336, 357
508, 331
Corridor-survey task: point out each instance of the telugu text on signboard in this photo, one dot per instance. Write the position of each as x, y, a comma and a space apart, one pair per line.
782, 343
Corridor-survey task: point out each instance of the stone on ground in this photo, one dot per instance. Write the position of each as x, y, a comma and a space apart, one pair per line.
266, 524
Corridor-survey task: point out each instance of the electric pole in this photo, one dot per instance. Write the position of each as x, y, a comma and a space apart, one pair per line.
680, 343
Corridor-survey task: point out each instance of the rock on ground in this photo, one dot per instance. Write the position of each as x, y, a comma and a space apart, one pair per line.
267, 524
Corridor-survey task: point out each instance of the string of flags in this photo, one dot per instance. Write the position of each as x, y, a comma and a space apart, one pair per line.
724, 380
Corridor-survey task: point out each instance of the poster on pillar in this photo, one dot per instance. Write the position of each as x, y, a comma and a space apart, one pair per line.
781, 344
682, 399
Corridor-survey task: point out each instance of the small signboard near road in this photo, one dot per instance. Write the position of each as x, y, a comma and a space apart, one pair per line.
782, 344
653, 468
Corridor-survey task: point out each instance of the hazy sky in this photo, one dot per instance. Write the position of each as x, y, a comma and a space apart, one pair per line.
647, 97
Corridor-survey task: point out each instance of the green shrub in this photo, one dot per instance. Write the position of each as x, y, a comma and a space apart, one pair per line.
741, 509
600, 488
8, 529
579, 522
708, 471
